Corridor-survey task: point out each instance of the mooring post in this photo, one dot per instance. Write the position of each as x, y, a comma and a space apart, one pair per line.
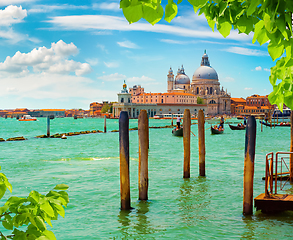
172, 119
186, 143
105, 124
261, 124
250, 137
291, 148
124, 160
201, 143
48, 126
143, 179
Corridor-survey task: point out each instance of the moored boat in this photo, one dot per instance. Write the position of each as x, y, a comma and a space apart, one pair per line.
242, 127
178, 132
27, 118
216, 131
276, 125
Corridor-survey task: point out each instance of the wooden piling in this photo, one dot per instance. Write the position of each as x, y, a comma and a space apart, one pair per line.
291, 148
143, 179
105, 124
250, 137
261, 124
186, 143
201, 143
172, 119
48, 126
124, 160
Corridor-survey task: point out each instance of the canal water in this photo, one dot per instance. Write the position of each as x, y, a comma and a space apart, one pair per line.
197, 208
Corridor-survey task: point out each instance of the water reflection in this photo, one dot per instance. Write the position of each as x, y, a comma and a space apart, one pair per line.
135, 222
193, 198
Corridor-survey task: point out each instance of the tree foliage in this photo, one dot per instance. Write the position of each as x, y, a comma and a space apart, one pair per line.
199, 100
105, 108
33, 211
270, 21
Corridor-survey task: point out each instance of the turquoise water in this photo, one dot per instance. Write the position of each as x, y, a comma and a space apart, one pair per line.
197, 208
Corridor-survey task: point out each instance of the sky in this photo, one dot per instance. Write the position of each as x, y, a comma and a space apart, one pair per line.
67, 54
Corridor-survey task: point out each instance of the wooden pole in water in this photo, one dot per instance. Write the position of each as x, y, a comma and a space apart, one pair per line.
48, 126
261, 124
143, 179
105, 124
291, 148
124, 160
172, 120
250, 137
186, 143
201, 143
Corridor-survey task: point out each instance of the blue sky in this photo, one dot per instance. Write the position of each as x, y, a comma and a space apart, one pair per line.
67, 54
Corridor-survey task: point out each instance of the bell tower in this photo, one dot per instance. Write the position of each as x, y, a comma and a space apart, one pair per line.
170, 80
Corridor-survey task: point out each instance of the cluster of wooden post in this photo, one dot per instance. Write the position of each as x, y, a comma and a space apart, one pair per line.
143, 135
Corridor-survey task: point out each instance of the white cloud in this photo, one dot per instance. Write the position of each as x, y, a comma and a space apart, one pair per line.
267, 70
246, 51
51, 60
51, 86
113, 77
228, 79
113, 6
247, 88
93, 61
127, 44
50, 8
11, 15
141, 80
9, 2
103, 48
111, 64
106, 22
176, 41
258, 68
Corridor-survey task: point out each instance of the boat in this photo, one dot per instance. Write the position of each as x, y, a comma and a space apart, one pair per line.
215, 131
27, 118
243, 127
276, 125
178, 132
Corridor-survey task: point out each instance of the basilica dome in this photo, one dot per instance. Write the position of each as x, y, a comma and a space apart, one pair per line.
205, 71
181, 77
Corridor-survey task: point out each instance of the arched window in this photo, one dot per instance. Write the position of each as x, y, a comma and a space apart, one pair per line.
212, 102
197, 90
211, 90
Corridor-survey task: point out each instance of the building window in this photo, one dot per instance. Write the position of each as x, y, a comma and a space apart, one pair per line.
122, 99
178, 109
162, 100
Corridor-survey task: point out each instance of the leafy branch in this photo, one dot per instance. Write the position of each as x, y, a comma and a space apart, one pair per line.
34, 211
270, 21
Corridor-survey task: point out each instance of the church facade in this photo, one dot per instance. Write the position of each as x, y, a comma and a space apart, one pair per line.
205, 84
181, 94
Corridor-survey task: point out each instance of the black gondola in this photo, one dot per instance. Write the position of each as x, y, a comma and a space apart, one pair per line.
215, 131
276, 125
243, 127
177, 132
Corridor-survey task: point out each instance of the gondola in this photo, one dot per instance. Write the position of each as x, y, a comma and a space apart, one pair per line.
215, 131
276, 125
178, 132
243, 127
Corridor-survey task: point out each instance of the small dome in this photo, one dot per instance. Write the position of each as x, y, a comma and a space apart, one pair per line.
182, 79
205, 72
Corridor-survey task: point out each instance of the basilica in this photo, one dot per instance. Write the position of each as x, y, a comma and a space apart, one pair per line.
205, 84
202, 93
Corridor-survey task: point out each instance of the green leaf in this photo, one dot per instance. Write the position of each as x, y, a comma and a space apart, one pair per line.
3, 209
152, 15
124, 3
280, 22
61, 187
50, 235
224, 28
34, 197
257, 29
179, 1
40, 223
211, 23
7, 222
170, 11
275, 50
59, 209
223, 7
2, 189
198, 3
46, 207
253, 6
267, 21
133, 13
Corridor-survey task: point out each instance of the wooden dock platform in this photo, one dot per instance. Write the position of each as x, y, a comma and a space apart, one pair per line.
274, 203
